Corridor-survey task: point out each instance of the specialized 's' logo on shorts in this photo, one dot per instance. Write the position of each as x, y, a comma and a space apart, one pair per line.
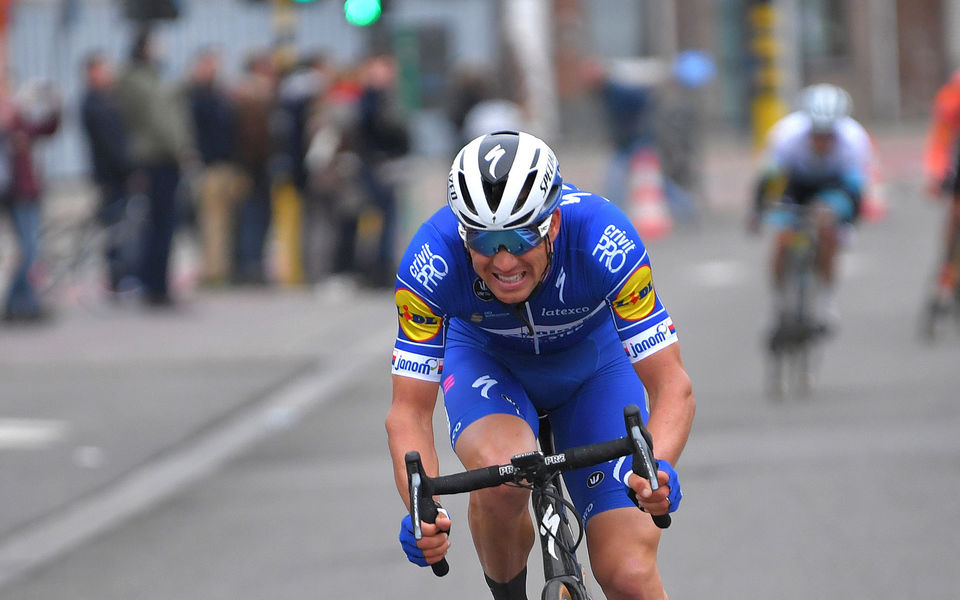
594, 479
636, 298
417, 321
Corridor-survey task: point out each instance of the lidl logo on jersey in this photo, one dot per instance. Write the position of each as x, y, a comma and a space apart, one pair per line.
428, 268
415, 365
417, 321
636, 298
613, 247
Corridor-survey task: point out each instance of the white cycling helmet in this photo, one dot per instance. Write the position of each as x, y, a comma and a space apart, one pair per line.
825, 104
504, 180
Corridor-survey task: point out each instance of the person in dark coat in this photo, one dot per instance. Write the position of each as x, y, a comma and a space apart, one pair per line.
161, 147
107, 140
214, 125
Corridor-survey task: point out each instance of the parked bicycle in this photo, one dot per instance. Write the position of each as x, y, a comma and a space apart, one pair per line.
540, 472
72, 267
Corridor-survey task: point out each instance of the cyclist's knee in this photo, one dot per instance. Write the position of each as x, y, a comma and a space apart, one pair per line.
502, 503
633, 576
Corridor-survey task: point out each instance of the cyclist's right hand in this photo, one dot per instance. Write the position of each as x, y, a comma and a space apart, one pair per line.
432, 546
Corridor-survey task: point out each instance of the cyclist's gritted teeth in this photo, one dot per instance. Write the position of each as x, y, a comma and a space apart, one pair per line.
509, 279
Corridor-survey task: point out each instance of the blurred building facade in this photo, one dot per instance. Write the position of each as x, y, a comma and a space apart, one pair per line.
890, 54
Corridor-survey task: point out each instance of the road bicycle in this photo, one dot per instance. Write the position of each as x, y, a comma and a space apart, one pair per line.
539, 471
943, 298
797, 330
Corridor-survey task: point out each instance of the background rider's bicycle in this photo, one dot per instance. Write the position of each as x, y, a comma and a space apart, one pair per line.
797, 330
942, 301
540, 472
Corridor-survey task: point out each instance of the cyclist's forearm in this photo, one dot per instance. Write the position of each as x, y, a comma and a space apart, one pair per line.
672, 407
409, 427
400, 444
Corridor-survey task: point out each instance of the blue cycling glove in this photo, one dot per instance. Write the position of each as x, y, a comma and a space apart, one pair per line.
409, 543
673, 482
675, 494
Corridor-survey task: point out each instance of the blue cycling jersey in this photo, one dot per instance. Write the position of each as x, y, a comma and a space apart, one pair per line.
600, 271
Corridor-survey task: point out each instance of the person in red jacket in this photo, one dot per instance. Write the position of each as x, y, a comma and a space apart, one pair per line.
33, 113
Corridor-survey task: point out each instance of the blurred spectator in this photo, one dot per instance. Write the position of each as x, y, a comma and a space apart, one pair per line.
383, 140
106, 135
34, 112
254, 99
213, 123
297, 93
478, 107
300, 90
680, 131
335, 194
627, 91
161, 145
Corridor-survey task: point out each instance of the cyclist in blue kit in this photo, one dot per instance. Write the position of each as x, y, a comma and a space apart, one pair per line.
527, 295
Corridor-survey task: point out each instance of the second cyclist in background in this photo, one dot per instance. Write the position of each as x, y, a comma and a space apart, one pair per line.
820, 156
941, 164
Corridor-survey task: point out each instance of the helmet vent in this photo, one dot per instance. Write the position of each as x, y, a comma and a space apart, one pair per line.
494, 193
536, 157
466, 193
524, 192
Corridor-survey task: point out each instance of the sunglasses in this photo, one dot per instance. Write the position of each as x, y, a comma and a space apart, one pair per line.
514, 241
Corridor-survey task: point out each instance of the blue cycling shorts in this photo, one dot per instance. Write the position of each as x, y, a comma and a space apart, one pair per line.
583, 389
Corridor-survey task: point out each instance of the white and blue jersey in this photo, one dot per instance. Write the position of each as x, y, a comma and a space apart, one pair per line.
844, 168
567, 350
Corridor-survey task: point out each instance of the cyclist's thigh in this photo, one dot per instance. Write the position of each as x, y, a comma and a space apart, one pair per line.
476, 385
595, 414
621, 539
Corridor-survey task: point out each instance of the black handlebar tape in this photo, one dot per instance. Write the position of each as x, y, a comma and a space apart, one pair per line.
422, 506
662, 521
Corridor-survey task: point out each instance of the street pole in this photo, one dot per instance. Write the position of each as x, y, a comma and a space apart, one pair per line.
286, 202
766, 102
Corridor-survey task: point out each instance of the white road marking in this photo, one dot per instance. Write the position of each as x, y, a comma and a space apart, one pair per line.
30, 434
136, 492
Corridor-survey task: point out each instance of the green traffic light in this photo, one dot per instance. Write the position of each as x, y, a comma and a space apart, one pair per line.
361, 12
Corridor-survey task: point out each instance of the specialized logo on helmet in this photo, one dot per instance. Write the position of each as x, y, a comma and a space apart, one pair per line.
493, 157
636, 298
417, 321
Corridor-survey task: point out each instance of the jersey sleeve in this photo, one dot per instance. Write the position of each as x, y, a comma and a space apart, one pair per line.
624, 272
421, 317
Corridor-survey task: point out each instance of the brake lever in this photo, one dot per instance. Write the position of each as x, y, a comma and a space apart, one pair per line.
644, 464
422, 506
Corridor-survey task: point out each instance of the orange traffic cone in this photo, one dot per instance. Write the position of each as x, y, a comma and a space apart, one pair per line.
873, 207
648, 207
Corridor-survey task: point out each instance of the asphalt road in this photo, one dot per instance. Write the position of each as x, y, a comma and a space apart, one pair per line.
255, 466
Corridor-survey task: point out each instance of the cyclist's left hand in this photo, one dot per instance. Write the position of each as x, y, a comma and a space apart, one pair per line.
666, 498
